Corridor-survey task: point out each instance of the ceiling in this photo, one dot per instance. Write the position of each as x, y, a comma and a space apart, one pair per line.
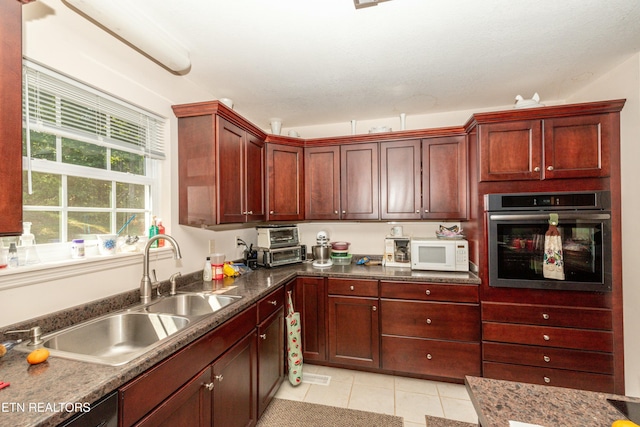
320, 62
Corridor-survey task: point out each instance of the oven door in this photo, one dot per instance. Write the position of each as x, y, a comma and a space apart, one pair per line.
516, 250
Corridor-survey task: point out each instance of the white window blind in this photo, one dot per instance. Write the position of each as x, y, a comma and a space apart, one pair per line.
62, 106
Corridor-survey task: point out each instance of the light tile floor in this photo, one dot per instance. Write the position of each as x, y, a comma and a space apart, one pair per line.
409, 398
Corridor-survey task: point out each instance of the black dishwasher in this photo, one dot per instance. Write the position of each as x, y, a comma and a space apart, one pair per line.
103, 413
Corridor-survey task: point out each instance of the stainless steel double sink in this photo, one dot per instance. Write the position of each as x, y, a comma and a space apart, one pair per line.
117, 338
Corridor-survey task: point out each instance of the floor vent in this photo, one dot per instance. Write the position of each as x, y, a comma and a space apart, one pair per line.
315, 379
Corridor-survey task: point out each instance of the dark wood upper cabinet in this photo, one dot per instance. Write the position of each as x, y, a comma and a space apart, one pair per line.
285, 182
444, 178
359, 182
322, 182
221, 166
11, 117
400, 188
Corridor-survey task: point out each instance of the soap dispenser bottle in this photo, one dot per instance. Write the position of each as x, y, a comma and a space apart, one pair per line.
28, 242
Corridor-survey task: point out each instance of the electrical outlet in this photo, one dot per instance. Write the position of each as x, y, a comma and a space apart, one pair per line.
239, 241
212, 246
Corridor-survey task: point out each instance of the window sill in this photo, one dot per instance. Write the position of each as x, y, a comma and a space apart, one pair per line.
48, 271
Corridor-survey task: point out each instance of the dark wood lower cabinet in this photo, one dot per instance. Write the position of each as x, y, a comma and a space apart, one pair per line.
310, 301
271, 350
234, 385
354, 334
190, 406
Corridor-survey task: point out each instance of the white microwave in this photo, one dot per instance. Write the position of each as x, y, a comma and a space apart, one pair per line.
439, 254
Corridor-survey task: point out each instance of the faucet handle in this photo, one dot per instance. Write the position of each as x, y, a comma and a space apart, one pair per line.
35, 334
172, 279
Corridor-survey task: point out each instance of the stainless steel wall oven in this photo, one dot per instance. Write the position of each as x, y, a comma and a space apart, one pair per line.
517, 224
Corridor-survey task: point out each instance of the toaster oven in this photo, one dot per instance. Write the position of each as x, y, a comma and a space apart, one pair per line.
277, 236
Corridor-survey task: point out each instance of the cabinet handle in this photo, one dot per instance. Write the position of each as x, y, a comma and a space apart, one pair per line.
546, 337
546, 359
208, 386
335, 212
536, 169
428, 321
429, 356
374, 308
549, 168
426, 211
263, 336
250, 213
545, 316
271, 212
547, 380
344, 212
219, 378
273, 302
428, 292
351, 287
417, 210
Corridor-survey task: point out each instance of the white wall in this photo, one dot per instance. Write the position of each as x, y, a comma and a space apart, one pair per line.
59, 38
624, 82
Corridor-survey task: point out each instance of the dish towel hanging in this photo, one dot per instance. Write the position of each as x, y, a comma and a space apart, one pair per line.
553, 264
294, 349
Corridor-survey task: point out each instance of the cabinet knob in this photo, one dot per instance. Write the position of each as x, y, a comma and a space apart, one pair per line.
344, 212
426, 211
219, 378
273, 302
271, 212
374, 308
546, 359
546, 337
250, 213
536, 169
549, 168
351, 287
428, 321
335, 212
263, 336
545, 316
208, 386
547, 380
417, 210
429, 356
427, 292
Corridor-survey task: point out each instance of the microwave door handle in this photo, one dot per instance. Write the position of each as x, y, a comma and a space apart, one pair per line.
561, 216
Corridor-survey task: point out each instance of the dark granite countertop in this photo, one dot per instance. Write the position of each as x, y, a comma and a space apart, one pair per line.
497, 402
38, 393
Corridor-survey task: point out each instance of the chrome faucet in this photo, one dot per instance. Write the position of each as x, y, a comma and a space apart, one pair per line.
145, 284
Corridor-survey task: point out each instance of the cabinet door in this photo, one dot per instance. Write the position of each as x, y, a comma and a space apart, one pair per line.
359, 181
400, 192
444, 178
187, 407
354, 335
511, 151
310, 297
230, 165
577, 147
234, 385
253, 179
285, 176
322, 182
271, 349
11, 118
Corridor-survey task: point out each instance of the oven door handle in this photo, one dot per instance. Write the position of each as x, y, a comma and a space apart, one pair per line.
561, 216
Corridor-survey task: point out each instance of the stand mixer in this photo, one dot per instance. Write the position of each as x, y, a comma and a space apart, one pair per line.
322, 251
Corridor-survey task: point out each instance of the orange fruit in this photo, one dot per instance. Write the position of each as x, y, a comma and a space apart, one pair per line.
38, 356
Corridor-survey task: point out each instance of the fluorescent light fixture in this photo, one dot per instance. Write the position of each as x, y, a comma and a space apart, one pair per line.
366, 3
128, 23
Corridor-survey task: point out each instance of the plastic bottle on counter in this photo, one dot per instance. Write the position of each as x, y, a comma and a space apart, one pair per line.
207, 274
161, 230
13, 255
153, 230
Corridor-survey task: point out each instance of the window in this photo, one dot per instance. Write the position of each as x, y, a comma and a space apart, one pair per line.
90, 159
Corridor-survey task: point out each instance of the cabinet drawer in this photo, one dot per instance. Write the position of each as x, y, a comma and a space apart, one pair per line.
437, 320
429, 291
446, 359
546, 376
572, 317
581, 339
270, 304
360, 288
548, 357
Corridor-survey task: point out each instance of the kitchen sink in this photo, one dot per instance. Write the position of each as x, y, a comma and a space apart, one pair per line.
191, 304
114, 339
